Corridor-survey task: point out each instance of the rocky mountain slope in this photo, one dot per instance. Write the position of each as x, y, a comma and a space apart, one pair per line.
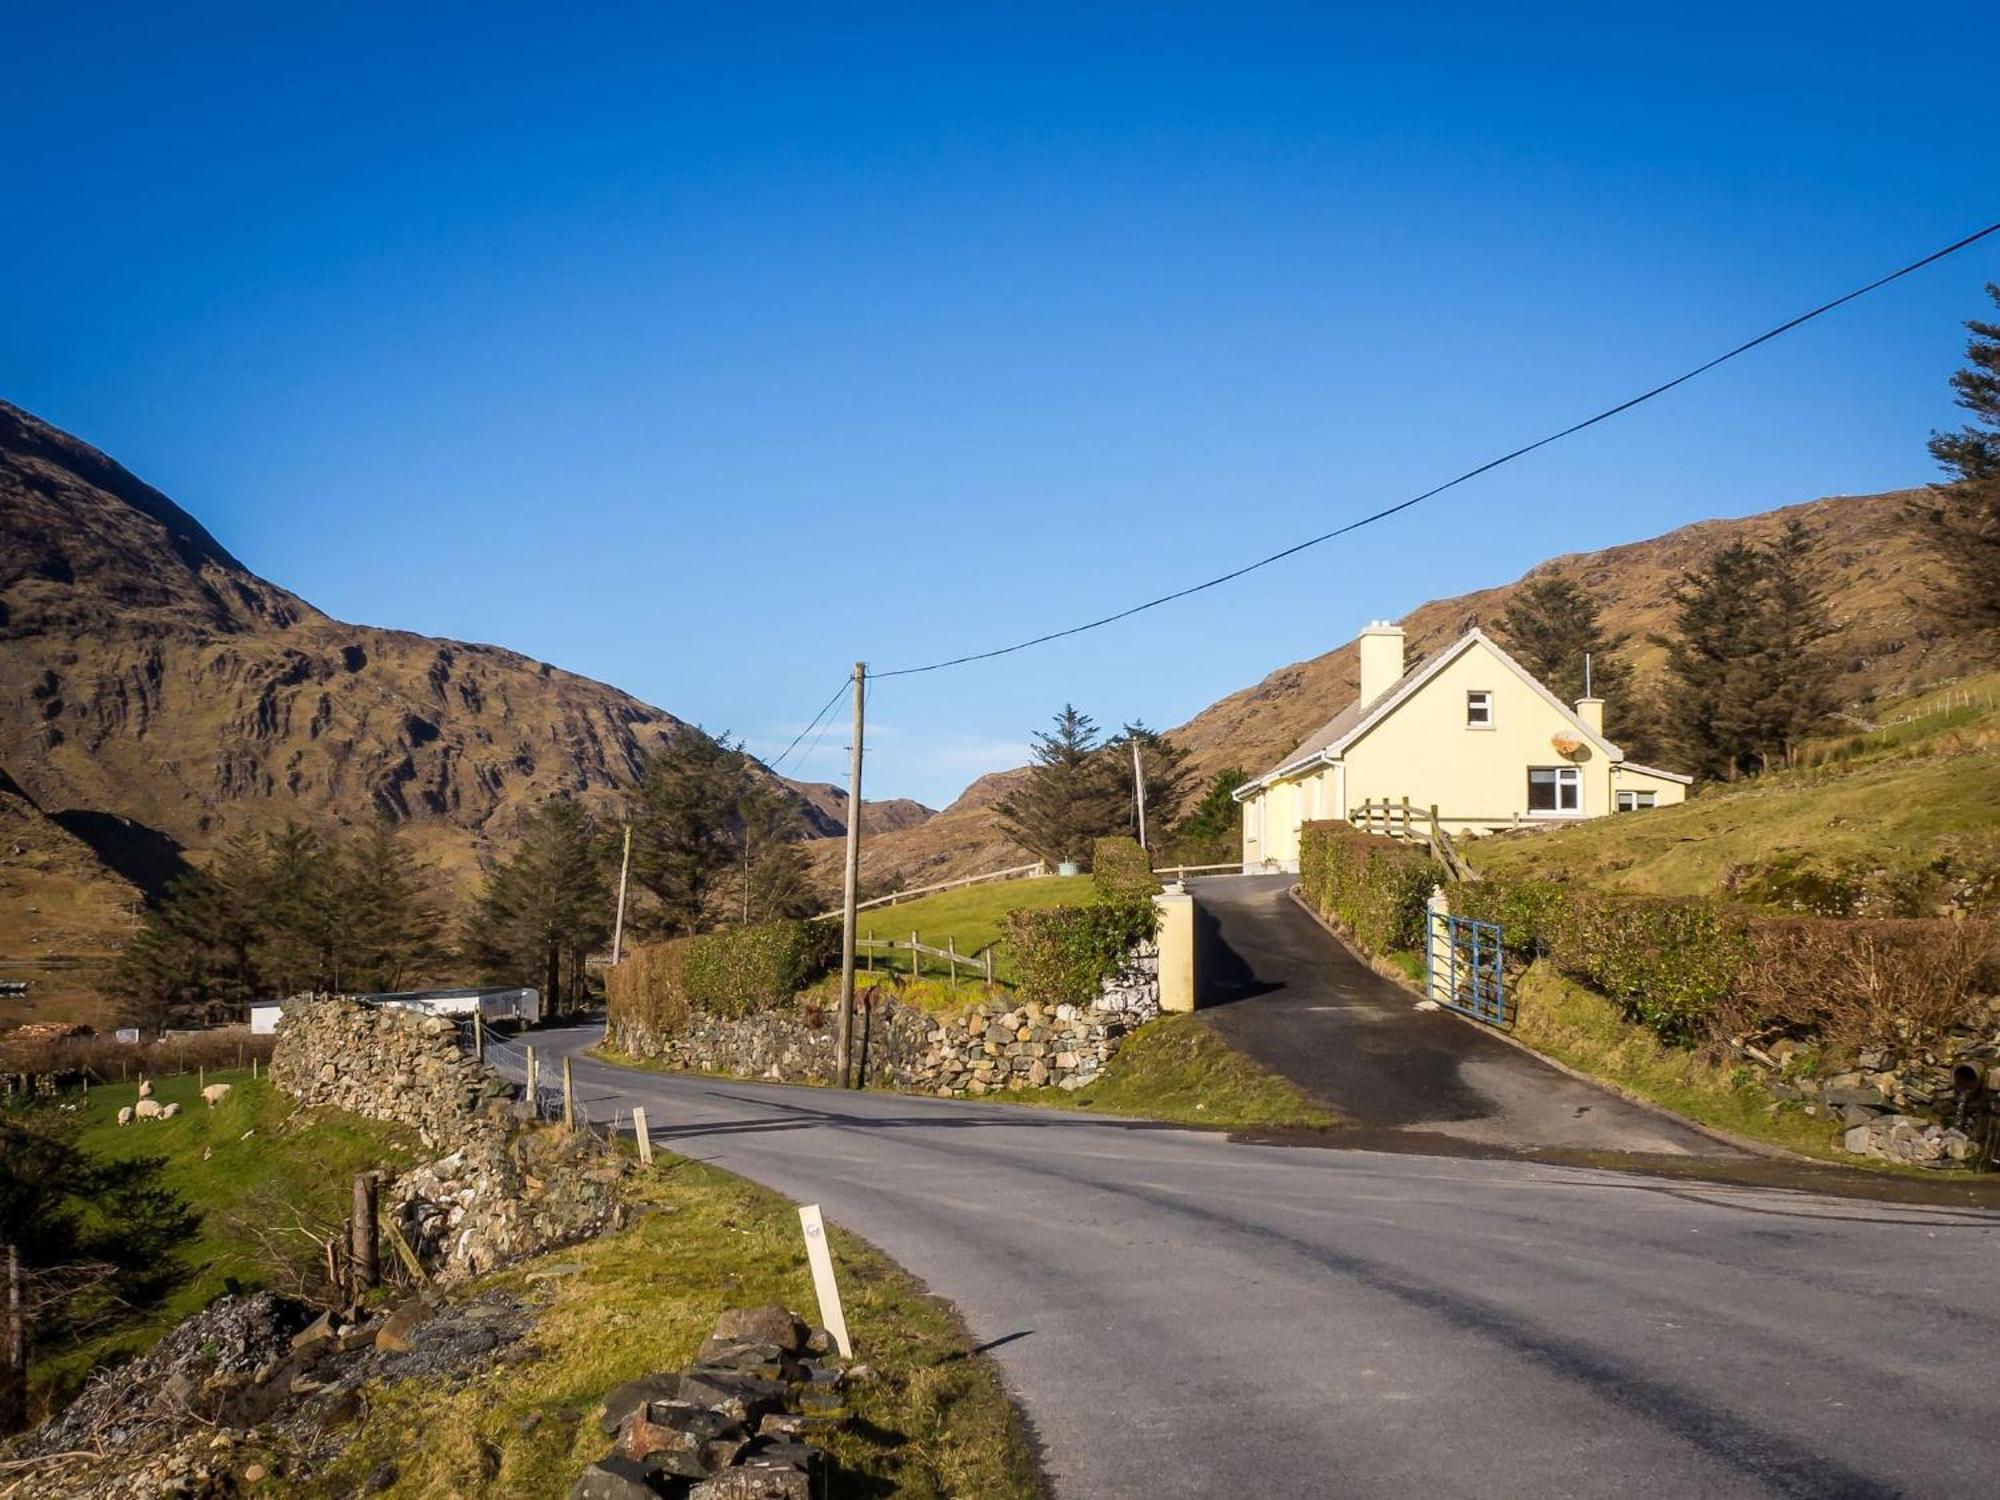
155, 695
1869, 562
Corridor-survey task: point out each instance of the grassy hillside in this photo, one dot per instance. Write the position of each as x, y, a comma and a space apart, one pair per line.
1897, 819
973, 918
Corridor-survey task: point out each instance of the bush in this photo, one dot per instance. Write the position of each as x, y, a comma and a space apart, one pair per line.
1894, 983
731, 972
1375, 887
1671, 965
1525, 909
1121, 869
1063, 953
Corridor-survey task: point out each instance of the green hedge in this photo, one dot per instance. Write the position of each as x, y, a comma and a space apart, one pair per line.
1375, 887
730, 972
1063, 953
1121, 869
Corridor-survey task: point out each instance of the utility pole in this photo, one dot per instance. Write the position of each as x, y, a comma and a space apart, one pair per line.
845, 1040
1139, 790
618, 926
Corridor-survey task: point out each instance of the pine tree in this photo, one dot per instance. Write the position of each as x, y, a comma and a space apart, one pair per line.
1551, 627
387, 927
295, 912
775, 876
1070, 797
1747, 681
1961, 517
1211, 833
1162, 765
544, 909
687, 830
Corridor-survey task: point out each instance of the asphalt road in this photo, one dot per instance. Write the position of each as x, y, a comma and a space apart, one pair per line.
1287, 994
1183, 1315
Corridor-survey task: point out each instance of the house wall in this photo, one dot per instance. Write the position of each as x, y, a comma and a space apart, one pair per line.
1666, 791
1477, 777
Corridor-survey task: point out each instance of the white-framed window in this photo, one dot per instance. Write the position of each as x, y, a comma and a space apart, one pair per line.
1555, 789
1479, 709
1635, 800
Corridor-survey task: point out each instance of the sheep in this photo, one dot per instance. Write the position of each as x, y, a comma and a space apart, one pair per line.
125, 1115
146, 1109
145, 1088
215, 1093
170, 1111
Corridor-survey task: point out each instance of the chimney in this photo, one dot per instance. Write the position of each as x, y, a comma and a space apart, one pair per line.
1591, 711
1381, 649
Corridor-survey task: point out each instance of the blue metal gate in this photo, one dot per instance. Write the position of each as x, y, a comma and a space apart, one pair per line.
1464, 967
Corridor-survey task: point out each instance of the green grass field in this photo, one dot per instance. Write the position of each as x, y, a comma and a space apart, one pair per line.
1889, 804
973, 917
251, 1167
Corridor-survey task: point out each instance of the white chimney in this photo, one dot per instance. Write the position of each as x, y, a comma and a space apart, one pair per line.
1381, 648
1591, 711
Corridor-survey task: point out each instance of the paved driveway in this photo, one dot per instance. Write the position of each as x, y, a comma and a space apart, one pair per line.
1285, 992
1186, 1316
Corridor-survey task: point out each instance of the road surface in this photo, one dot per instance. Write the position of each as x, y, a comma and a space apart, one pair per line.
1284, 992
1181, 1315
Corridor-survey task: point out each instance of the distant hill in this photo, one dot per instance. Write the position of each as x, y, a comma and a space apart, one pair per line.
155, 695
1869, 562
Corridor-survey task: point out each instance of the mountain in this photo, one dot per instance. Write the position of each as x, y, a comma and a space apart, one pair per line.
829, 803
155, 695
1870, 564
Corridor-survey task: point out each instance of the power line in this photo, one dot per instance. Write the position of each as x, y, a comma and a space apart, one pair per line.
1474, 473
825, 709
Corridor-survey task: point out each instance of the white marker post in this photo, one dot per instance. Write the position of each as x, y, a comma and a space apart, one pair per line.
830, 1315
642, 1134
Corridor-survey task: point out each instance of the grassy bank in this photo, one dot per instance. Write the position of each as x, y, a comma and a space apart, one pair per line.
253, 1168
1179, 1070
936, 1422
972, 918
1571, 1024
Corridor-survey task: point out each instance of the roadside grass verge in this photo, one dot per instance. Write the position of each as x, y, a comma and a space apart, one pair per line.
935, 1423
254, 1168
1585, 1031
1178, 1069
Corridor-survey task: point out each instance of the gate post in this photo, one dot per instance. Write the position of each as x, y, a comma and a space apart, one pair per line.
1438, 946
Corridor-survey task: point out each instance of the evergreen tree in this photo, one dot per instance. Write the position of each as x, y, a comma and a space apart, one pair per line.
545, 908
1070, 797
1747, 682
687, 830
1962, 516
1164, 769
775, 879
1551, 626
295, 912
1212, 832
387, 927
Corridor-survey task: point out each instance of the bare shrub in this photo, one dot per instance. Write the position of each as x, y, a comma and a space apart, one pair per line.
1889, 983
107, 1060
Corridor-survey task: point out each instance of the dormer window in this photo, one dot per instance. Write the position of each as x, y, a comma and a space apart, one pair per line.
1479, 710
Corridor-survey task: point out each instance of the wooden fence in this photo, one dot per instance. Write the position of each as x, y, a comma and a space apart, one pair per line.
980, 963
1016, 872
1412, 825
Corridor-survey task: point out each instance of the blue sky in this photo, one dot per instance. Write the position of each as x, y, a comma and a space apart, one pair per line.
705, 350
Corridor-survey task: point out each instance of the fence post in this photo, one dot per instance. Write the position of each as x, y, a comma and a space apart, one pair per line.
478, 1037
914, 955
15, 1415
534, 1089
989, 965
868, 951
569, 1097
367, 1271
641, 1134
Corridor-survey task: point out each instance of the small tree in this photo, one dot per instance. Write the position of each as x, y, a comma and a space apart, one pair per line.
1212, 831
1069, 796
1747, 682
1163, 769
775, 874
546, 908
1961, 517
687, 830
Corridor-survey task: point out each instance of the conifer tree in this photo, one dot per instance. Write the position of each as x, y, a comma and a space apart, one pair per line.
1070, 796
687, 831
1164, 769
387, 926
1961, 517
545, 908
1212, 831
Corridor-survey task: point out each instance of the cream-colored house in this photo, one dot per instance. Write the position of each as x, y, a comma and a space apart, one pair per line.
1467, 731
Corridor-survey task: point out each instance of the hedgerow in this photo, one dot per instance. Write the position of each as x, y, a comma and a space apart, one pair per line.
1374, 886
1120, 868
731, 972
1063, 953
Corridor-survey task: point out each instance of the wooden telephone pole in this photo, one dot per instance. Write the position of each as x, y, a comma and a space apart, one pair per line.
618, 924
845, 1039
1139, 790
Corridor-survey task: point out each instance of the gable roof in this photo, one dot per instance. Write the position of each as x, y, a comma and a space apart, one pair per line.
1333, 737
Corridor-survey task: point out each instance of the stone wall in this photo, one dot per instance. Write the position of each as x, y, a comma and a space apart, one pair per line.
384, 1063
994, 1046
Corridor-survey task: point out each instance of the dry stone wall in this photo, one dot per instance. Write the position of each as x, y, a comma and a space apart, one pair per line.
994, 1047
384, 1063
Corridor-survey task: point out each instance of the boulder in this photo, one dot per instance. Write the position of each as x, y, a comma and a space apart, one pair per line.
613, 1478
771, 1325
